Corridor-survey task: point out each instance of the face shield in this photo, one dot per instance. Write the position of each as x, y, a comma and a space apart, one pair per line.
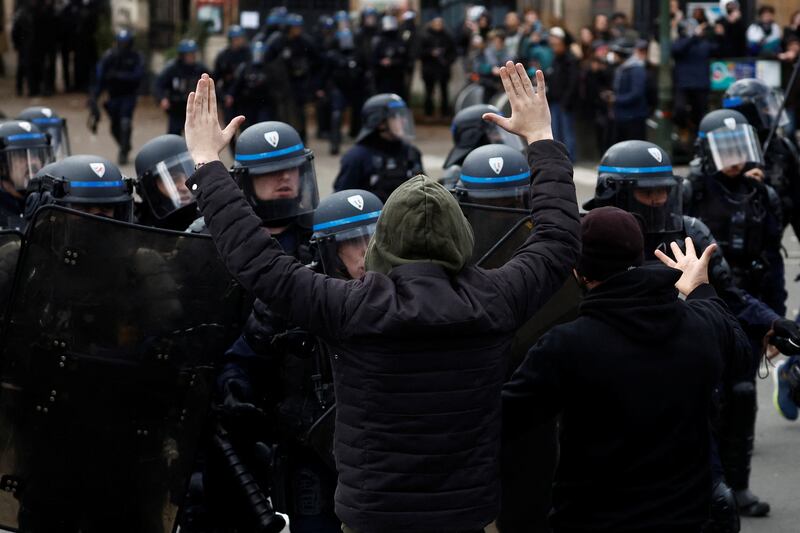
19, 165
498, 135
122, 211
59, 138
282, 190
492, 215
342, 254
164, 186
657, 201
775, 107
731, 147
400, 122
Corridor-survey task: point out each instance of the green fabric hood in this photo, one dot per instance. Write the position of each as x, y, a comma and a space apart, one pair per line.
421, 222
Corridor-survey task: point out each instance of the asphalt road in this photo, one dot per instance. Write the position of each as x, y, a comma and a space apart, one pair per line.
776, 465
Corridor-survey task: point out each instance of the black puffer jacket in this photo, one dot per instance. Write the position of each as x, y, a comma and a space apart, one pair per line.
419, 355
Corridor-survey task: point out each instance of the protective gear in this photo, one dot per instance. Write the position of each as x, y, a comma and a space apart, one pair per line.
756, 101
637, 176
48, 121
24, 149
187, 46
236, 31
162, 167
85, 183
786, 336
273, 151
495, 174
111, 365
258, 51
386, 112
471, 131
10, 244
389, 23
175, 82
295, 20
344, 217
124, 36
726, 139
724, 516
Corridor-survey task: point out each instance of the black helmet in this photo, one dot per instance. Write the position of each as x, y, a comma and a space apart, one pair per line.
471, 131
377, 111
84, 182
637, 176
345, 218
24, 149
756, 101
271, 150
495, 174
726, 139
162, 167
48, 121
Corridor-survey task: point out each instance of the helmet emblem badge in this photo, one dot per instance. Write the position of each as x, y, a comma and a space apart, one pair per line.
731, 123
272, 138
46, 111
656, 153
25, 126
356, 201
98, 168
496, 163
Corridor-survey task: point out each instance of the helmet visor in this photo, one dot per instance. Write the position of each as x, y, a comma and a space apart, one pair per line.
775, 103
117, 210
164, 185
498, 135
342, 254
731, 147
59, 138
21, 164
282, 194
657, 203
502, 197
400, 123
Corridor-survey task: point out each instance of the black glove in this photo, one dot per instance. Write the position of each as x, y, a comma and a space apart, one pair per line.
236, 401
786, 336
94, 115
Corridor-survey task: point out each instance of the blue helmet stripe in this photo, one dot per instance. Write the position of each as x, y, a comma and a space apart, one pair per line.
26, 136
45, 120
348, 220
269, 155
503, 179
634, 170
95, 184
733, 101
396, 104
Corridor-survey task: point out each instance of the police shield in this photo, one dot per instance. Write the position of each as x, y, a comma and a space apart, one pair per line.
107, 372
498, 230
10, 243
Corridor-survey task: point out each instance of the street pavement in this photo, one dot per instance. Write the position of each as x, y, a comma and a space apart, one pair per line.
776, 465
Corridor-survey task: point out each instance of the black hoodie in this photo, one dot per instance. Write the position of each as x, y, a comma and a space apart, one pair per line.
634, 379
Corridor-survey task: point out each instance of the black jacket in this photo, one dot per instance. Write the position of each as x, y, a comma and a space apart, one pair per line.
437, 54
634, 379
563, 78
419, 355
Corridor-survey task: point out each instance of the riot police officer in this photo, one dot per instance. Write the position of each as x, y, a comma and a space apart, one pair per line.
366, 37
382, 157
48, 121
119, 73
86, 183
24, 149
275, 23
248, 93
391, 57
469, 132
227, 63
176, 82
760, 105
162, 167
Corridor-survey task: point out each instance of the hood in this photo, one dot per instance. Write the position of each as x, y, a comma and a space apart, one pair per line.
642, 303
420, 223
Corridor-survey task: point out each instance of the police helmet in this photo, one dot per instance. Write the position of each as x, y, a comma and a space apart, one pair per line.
187, 46
757, 102
471, 131
389, 23
341, 16
86, 183
162, 167
726, 139
124, 36
294, 20
326, 22
236, 31
386, 112
345, 218
277, 17
637, 176
24, 149
495, 174
624, 46
48, 121
272, 154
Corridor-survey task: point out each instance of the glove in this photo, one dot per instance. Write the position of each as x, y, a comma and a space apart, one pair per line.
786, 336
94, 116
236, 403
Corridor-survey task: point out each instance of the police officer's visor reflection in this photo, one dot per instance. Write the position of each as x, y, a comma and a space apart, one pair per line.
175, 188
652, 197
97, 210
397, 125
277, 185
352, 252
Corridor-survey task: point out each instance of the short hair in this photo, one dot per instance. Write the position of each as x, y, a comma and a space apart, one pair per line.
766, 8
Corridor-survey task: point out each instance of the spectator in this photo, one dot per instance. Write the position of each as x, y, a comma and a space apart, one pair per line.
630, 91
676, 17
586, 41
792, 30
734, 38
764, 35
628, 463
531, 22
514, 35
692, 52
600, 27
619, 25
535, 52
437, 54
563, 78
489, 61
595, 94
788, 60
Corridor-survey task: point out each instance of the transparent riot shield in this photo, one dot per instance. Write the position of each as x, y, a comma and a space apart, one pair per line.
10, 243
494, 227
106, 372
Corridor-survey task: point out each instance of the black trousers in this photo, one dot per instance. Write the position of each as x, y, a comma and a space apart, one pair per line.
630, 130
431, 85
690, 107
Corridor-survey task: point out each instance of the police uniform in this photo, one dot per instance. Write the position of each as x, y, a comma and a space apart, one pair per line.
175, 83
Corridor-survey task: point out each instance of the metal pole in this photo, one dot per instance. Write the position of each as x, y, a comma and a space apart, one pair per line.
789, 87
663, 134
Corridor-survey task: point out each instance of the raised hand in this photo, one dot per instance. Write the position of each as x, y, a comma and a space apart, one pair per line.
205, 137
530, 114
695, 270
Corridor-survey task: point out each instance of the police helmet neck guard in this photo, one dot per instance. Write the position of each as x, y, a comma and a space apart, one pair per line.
162, 167
82, 182
495, 175
24, 149
347, 216
637, 176
377, 111
274, 150
726, 139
